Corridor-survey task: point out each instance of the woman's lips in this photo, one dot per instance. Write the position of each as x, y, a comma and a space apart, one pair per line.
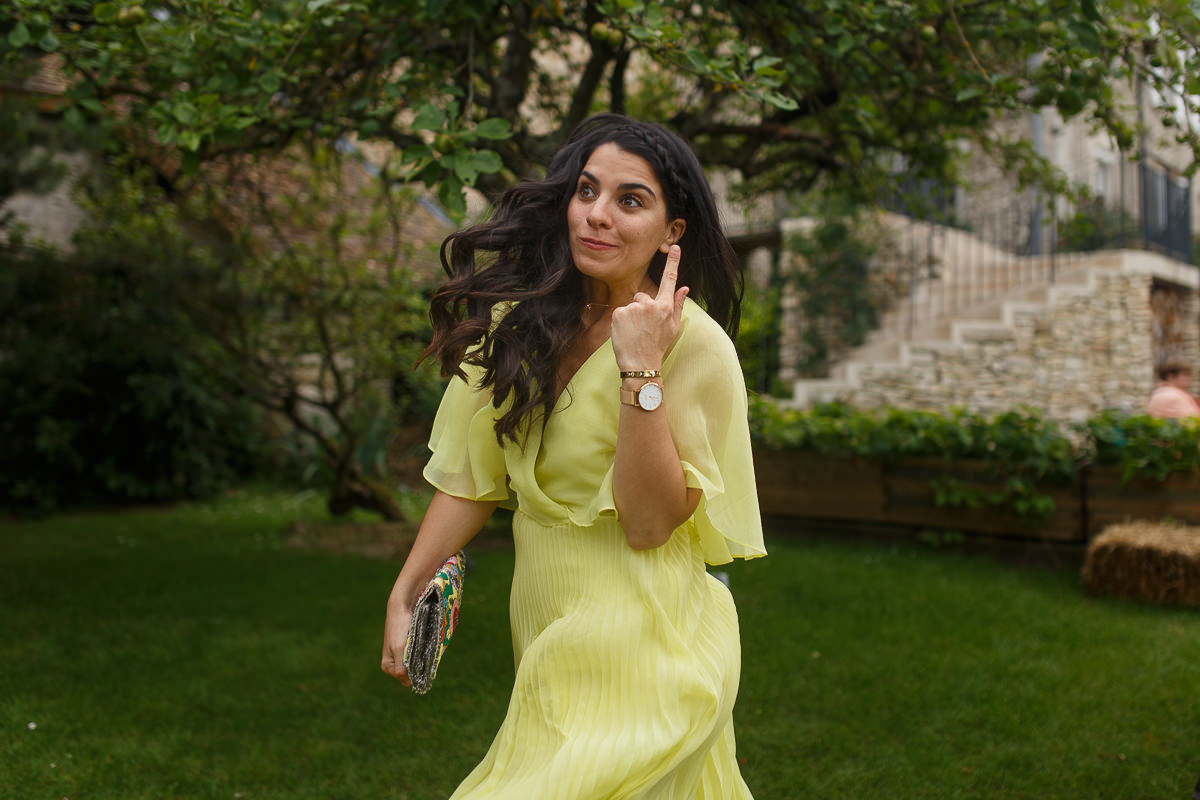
595, 244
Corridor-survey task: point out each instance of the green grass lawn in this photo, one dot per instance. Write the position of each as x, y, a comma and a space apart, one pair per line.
187, 653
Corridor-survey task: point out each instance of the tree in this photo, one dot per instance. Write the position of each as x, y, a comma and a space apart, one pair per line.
321, 312
484, 91
838, 94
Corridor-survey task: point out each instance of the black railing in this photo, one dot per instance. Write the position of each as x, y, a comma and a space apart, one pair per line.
944, 268
1154, 213
961, 250
1166, 213
952, 250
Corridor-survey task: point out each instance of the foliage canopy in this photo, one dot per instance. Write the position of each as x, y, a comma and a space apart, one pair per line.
484, 91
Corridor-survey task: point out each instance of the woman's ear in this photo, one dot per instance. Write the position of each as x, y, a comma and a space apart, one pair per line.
675, 231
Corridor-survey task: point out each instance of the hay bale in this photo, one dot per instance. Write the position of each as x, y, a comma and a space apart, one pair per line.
1146, 561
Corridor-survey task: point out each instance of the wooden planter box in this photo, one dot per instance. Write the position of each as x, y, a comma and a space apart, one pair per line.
1109, 500
806, 484
912, 501
799, 483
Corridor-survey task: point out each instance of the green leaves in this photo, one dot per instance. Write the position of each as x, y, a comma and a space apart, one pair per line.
105, 13
1020, 443
829, 92
496, 129
209, 79
430, 118
32, 30
1022, 450
708, 53
450, 195
1144, 446
19, 35
468, 165
454, 156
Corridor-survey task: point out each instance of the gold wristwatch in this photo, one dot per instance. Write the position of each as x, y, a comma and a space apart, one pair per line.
648, 397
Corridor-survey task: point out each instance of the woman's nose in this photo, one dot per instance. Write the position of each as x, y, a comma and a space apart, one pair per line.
598, 216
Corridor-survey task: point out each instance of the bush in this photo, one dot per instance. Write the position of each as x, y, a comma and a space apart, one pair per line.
104, 400
758, 340
1144, 446
1021, 449
842, 297
1095, 226
1019, 441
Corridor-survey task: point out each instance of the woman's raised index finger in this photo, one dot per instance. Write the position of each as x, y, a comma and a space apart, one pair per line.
670, 275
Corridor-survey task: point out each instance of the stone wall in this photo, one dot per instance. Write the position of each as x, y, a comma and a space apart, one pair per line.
1083, 349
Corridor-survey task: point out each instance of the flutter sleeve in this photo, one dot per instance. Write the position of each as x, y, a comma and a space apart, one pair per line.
708, 418
467, 460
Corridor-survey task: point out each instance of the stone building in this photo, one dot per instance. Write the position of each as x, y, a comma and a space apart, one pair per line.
1002, 299
1086, 343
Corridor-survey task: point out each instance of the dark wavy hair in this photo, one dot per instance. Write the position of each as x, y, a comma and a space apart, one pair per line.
520, 261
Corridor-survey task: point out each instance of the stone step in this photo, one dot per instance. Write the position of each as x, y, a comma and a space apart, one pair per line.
884, 344
886, 357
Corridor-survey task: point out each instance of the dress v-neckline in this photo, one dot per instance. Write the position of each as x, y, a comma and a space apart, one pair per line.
606, 344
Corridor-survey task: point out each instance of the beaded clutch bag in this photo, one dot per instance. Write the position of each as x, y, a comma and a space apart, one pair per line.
433, 622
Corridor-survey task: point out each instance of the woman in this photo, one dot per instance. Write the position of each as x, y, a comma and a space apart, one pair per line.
1171, 398
595, 393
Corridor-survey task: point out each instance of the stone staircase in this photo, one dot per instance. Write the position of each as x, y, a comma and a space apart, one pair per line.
989, 329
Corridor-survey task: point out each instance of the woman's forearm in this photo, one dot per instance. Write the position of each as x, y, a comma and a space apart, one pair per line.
649, 490
448, 525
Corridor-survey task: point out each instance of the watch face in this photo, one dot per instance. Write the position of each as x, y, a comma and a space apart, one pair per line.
650, 396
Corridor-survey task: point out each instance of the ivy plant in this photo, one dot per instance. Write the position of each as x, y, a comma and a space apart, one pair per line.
1022, 449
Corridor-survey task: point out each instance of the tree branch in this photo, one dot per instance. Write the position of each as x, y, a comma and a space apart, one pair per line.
511, 81
585, 91
616, 83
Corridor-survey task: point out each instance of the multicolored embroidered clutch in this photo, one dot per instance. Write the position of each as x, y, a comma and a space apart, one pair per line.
433, 622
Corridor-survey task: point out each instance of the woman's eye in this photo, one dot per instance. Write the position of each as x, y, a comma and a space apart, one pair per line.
586, 191
631, 200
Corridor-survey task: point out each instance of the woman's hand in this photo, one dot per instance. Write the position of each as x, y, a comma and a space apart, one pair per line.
395, 635
643, 330
449, 523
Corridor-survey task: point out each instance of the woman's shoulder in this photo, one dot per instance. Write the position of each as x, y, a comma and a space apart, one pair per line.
700, 331
702, 340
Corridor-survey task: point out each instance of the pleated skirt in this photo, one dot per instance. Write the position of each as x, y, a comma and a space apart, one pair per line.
627, 668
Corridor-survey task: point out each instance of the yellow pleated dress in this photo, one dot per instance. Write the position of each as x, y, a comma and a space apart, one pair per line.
627, 662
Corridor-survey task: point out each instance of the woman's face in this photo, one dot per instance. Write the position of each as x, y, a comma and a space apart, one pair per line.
617, 219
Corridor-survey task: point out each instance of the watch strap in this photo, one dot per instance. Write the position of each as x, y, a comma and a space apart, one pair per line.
641, 373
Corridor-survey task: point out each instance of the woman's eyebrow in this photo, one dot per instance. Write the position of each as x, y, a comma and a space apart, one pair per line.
624, 187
